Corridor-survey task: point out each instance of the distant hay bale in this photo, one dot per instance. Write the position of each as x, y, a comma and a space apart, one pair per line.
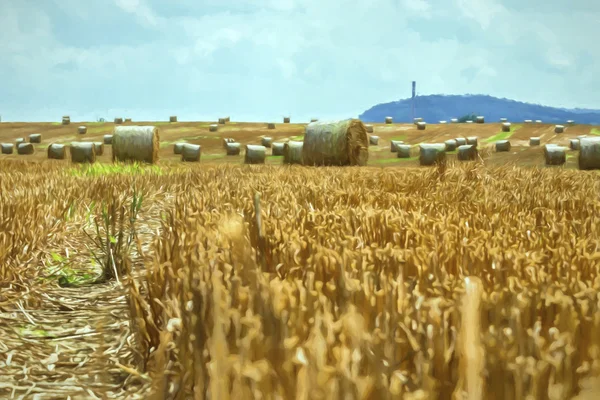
373, 140
503, 119
342, 142
19, 141
480, 119
421, 125
213, 128
460, 141
472, 140
314, 119
506, 127
232, 148
118, 121
570, 122
66, 120
450, 144
534, 141
502, 145
190, 152
589, 153
286, 120
35, 138
7, 148
430, 154
574, 144
469, 122
227, 140
394, 145
83, 152
538, 121
466, 152
56, 151
255, 154
277, 149
173, 118
25, 148
559, 128
222, 121
266, 141
554, 155
270, 125
443, 122
177, 147
127, 119
388, 120
99, 148
292, 152
417, 120
107, 139
369, 128
403, 150
454, 120
82, 130
228, 119
528, 121
136, 143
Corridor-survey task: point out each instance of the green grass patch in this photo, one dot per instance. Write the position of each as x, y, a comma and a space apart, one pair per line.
595, 131
399, 137
98, 169
297, 138
68, 276
502, 135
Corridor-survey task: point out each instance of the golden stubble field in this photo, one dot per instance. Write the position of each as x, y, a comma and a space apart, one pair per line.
165, 282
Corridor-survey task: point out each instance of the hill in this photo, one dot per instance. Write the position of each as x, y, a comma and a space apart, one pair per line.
434, 108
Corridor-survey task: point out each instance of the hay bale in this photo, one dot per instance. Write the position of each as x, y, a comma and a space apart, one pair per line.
430, 154
503, 120
443, 122
19, 141
286, 120
25, 148
232, 148
369, 128
528, 121
213, 128
342, 142
450, 144
534, 141
118, 121
388, 120
83, 152
255, 154
127, 119
136, 143
417, 120
277, 149
559, 128
228, 119
190, 152
292, 152
66, 120
469, 122
460, 141
574, 144
421, 125
538, 121
570, 122
479, 119
373, 140
56, 151
472, 140
222, 121
466, 152
314, 119
35, 138
506, 127
502, 145
270, 125
266, 141
394, 145
82, 130
403, 150
99, 148
589, 153
107, 139
7, 148
177, 147
227, 140
173, 118
554, 155
454, 120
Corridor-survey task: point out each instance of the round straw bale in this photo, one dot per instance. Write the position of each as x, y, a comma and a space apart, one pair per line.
173, 118
369, 128
342, 142
417, 120
571, 122
574, 144
534, 141
292, 152
506, 127
177, 147
56, 151
450, 144
19, 141
66, 120
228, 119
314, 119
466, 152
232, 148
190, 152
460, 141
222, 121
118, 121
255, 154
480, 119
25, 148
421, 125
99, 148
277, 149
469, 122
403, 150
373, 140
82, 130
538, 121
35, 138
388, 120
136, 143
502, 145
528, 121
472, 140
589, 153
83, 152
559, 128
270, 125
213, 127
429, 154
286, 120
454, 120
127, 119
443, 122
555, 155
107, 139
227, 140
394, 145
266, 141
503, 119
7, 148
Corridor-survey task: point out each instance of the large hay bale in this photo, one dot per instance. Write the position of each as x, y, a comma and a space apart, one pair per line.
574, 144
286, 120
538, 121
118, 121
277, 149
528, 121
66, 120
570, 122
57, 151
213, 127
266, 141
255, 154
373, 140
403, 150
83, 152
107, 139
173, 118
342, 142
454, 120
314, 119
99, 148
270, 125
460, 141
127, 119
469, 122
25, 148
555, 155
19, 141
503, 119
228, 119
450, 144
480, 119
421, 125
136, 143
502, 145
506, 127
443, 122
190, 152
35, 138
7, 148
394, 145
82, 130
417, 120
472, 140
589, 153
559, 128
369, 128
466, 152
227, 140
430, 154
222, 121
292, 152
232, 148
534, 141
388, 120
177, 147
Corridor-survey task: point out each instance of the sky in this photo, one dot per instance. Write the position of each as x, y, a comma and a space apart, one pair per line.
261, 60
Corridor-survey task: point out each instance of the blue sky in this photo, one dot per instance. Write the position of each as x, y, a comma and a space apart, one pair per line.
260, 60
